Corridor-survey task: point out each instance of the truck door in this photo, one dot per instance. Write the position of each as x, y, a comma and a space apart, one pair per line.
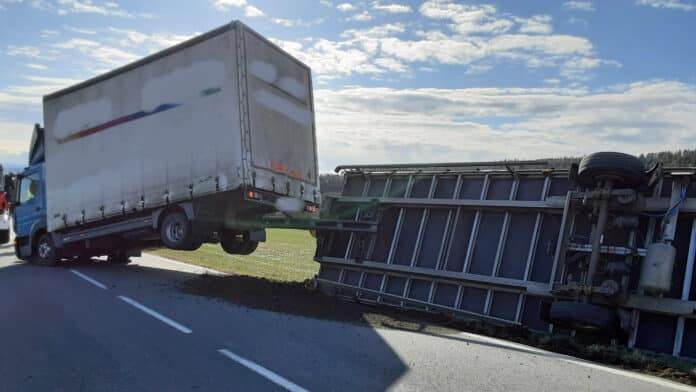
31, 207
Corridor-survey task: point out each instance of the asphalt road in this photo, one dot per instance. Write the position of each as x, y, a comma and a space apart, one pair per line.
97, 327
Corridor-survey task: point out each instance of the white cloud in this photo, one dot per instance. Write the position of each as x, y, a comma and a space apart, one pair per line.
537, 24
150, 42
26, 51
94, 50
36, 66
14, 141
392, 64
477, 38
225, 5
467, 19
358, 124
345, 7
49, 33
65, 7
392, 8
249, 10
286, 22
29, 94
81, 30
670, 4
579, 5
361, 17
253, 12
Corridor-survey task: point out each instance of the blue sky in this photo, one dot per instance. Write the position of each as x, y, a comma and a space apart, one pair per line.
402, 81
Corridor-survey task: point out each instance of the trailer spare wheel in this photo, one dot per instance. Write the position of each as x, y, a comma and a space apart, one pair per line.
622, 169
237, 242
584, 316
176, 231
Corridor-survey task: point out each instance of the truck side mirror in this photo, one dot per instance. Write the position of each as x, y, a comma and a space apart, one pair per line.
9, 187
12, 189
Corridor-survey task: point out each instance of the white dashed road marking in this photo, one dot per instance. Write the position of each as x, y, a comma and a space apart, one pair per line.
87, 278
283, 382
155, 314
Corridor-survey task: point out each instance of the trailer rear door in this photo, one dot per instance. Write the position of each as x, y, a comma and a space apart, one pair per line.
280, 118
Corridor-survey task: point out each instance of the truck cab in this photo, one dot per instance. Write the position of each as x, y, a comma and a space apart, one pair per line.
29, 216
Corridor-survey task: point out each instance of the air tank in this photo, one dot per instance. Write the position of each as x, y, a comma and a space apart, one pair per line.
656, 271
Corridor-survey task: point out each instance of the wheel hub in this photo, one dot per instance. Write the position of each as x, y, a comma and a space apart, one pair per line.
176, 232
44, 250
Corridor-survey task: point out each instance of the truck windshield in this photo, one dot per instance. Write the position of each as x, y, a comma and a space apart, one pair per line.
29, 187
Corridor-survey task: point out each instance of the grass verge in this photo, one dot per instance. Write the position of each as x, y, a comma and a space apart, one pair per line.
287, 255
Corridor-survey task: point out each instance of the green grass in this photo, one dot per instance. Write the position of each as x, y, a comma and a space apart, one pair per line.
285, 256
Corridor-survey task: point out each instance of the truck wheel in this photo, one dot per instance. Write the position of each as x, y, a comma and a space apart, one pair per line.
623, 169
118, 258
584, 316
195, 244
237, 243
4, 236
46, 253
176, 231
18, 255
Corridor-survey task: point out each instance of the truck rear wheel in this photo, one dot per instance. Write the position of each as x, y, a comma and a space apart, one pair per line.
4, 236
176, 232
46, 253
236, 243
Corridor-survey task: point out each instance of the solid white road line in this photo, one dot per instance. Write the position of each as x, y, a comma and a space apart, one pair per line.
87, 278
179, 263
580, 362
283, 382
156, 315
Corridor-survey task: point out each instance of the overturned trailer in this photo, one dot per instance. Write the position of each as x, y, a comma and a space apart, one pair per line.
604, 246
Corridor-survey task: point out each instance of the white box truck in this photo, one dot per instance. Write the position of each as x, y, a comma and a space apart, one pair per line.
193, 144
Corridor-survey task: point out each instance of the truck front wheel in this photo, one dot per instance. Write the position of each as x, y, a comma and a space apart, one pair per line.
4, 236
46, 252
237, 243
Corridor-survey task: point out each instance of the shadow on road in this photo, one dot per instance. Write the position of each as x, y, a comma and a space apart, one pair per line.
325, 355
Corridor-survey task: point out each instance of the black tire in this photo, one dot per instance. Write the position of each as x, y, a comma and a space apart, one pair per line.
45, 253
16, 251
176, 231
4, 236
584, 316
195, 244
118, 258
237, 243
622, 169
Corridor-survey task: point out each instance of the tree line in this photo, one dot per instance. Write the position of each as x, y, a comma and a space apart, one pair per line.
332, 183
